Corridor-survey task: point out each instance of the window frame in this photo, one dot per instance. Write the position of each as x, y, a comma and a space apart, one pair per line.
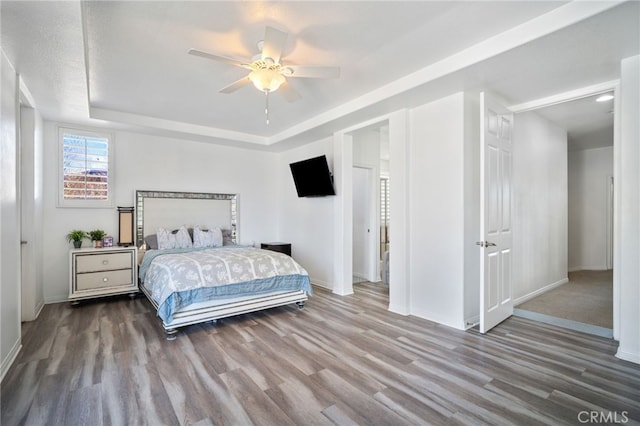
84, 203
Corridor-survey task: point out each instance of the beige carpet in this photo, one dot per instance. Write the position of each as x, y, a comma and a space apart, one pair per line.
587, 298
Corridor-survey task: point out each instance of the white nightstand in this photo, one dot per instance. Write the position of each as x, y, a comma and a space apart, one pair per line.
97, 272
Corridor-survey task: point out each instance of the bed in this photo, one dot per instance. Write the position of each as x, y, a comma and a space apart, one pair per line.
214, 277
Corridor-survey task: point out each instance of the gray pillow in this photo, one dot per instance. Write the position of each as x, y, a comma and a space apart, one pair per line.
226, 237
151, 241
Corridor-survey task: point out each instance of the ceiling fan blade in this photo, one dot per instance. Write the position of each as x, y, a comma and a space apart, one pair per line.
235, 85
273, 44
313, 72
218, 58
288, 92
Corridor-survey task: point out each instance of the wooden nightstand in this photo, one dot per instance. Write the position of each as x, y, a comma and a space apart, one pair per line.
279, 247
97, 272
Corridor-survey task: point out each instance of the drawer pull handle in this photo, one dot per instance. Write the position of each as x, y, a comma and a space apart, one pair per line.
105, 279
105, 262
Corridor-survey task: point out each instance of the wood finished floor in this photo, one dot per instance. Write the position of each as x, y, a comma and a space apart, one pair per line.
341, 360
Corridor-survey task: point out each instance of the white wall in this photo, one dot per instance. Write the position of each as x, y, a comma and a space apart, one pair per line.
144, 162
627, 267
9, 219
437, 211
308, 223
540, 206
589, 174
472, 192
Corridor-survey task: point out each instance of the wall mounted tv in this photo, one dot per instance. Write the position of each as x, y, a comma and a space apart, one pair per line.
312, 177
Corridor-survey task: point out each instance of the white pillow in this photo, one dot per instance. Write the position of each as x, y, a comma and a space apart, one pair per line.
207, 238
169, 240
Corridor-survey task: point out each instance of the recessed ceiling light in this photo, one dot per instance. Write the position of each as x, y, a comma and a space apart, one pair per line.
604, 98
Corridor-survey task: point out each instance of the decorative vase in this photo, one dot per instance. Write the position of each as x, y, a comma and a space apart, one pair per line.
98, 244
77, 244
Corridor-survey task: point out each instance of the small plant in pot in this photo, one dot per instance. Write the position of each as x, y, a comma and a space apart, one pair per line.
97, 235
76, 236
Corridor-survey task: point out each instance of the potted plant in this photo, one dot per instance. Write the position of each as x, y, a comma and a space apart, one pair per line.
96, 236
76, 236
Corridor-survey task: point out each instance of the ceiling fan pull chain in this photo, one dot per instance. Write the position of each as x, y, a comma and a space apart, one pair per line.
266, 107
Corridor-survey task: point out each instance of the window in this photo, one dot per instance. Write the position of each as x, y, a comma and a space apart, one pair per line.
86, 163
384, 215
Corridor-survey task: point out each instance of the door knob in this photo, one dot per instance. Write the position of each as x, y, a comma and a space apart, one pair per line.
485, 244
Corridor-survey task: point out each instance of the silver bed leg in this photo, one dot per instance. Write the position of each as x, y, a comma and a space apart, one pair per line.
300, 304
171, 333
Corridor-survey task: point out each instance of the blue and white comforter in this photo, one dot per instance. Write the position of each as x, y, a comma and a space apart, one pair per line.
179, 277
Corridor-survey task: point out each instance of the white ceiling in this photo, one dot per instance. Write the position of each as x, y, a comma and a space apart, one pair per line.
589, 124
125, 64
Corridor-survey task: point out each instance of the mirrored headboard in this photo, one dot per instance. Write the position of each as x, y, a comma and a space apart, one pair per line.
170, 210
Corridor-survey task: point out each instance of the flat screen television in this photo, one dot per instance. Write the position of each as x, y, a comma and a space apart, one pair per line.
312, 177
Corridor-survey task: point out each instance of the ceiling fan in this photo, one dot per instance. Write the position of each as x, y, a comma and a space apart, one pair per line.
267, 73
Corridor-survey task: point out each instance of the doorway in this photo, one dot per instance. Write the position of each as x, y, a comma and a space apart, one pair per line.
585, 300
364, 213
370, 207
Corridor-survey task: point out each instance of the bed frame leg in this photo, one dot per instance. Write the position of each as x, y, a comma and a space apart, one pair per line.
300, 304
171, 333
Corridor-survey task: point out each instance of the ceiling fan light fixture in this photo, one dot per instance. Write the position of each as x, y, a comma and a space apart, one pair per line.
266, 80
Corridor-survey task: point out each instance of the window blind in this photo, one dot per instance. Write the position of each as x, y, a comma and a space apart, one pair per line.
85, 165
384, 215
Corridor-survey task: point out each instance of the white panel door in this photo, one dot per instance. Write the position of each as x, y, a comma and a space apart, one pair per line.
10, 302
362, 253
496, 299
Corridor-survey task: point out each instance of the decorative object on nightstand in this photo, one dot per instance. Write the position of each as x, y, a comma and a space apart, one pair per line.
76, 236
277, 246
107, 241
125, 226
102, 272
97, 236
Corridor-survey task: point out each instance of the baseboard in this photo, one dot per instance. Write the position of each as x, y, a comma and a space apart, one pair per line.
587, 268
56, 299
439, 320
527, 297
343, 293
628, 356
400, 310
326, 286
39, 309
36, 312
320, 283
9, 360
472, 322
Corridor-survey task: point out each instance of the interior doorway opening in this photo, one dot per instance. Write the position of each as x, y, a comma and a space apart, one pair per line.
586, 301
371, 195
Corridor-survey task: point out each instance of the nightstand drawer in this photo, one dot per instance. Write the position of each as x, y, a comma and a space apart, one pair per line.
98, 272
103, 262
93, 280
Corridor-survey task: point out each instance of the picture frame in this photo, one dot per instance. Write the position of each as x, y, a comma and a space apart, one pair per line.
107, 241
